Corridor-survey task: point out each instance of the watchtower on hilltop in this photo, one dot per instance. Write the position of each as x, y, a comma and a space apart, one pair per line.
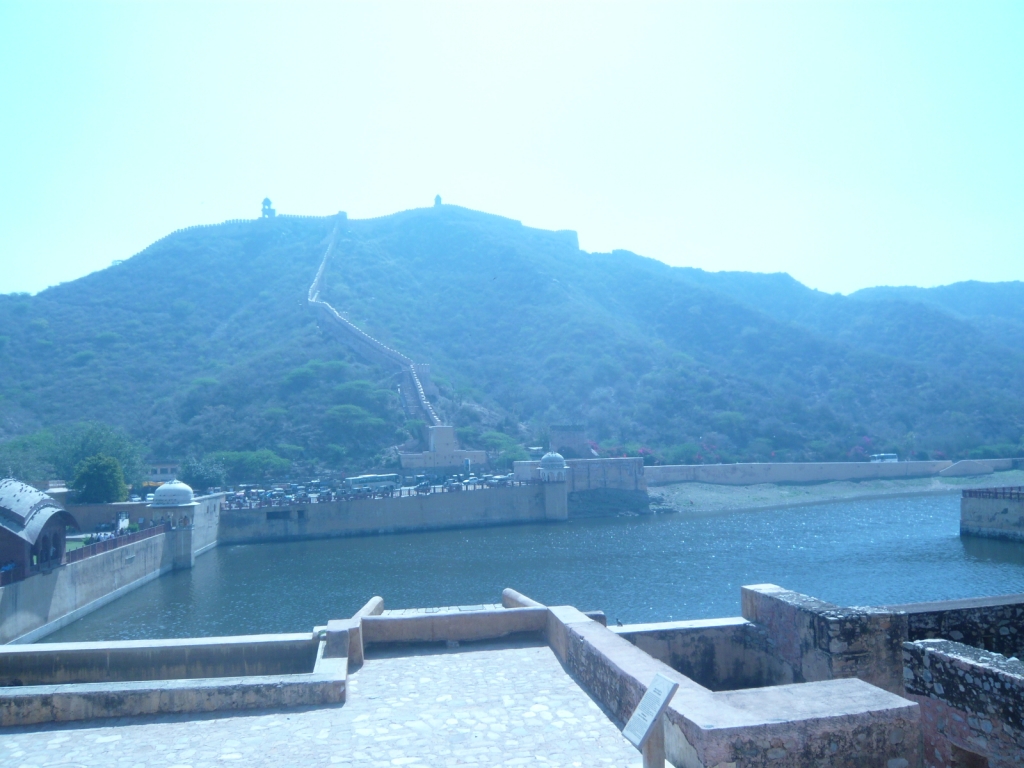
268, 212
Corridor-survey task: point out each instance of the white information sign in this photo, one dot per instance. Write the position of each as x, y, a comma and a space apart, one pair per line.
647, 712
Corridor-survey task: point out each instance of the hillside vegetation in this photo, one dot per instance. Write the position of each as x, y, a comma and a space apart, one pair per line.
204, 343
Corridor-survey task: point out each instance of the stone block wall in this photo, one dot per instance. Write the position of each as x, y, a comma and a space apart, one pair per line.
361, 517
972, 704
822, 641
719, 654
835, 723
993, 623
626, 474
992, 518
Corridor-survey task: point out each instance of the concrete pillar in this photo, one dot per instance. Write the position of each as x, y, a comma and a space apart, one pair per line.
181, 541
556, 501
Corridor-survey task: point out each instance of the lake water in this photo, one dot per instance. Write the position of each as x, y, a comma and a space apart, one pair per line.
637, 569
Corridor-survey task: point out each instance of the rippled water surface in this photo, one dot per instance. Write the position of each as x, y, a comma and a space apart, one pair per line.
650, 568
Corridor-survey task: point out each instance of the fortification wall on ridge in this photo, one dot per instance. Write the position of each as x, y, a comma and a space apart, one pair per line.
413, 390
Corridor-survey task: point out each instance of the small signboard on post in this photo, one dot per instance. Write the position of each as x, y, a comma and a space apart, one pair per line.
646, 717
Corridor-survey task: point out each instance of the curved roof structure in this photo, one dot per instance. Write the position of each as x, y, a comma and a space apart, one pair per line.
24, 510
552, 461
173, 494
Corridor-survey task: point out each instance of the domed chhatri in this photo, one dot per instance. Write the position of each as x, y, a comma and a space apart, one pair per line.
552, 468
173, 494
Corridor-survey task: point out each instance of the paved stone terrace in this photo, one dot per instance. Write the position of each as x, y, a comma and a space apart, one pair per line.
511, 706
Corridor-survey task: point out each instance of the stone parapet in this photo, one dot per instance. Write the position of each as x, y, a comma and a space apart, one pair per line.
993, 623
822, 641
719, 654
838, 723
972, 704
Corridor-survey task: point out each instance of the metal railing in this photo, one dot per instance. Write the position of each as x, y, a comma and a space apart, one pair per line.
1015, 492
118, 541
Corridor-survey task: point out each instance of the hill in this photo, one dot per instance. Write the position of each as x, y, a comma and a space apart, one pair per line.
203, 342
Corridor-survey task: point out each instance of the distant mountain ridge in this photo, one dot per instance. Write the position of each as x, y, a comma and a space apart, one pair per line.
204, 342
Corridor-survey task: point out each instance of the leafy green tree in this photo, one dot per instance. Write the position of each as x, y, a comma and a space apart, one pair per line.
201, 474
26, 458
356, 426
100, 480
504, 449
67, 446
251, 466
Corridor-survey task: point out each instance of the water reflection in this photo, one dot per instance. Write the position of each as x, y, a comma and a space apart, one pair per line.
994, 550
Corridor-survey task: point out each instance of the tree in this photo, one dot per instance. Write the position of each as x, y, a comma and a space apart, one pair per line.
201, 474
69, 445
99, 480
251, 466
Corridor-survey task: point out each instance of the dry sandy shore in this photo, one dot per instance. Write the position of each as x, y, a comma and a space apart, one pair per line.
704, 498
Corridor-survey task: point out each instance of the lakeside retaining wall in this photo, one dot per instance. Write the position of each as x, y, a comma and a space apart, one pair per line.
993, 516
819, 472
598, 487
360, 517
43, 603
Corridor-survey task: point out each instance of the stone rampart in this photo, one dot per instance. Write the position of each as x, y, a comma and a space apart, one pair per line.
414, 391
719, 654
972, 704
360, 517
993, 623
822, 641
839, 723
993, 515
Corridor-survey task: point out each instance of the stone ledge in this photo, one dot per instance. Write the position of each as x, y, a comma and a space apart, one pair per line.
28, 705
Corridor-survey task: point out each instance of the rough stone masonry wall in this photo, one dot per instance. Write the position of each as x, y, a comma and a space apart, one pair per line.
970, 700
719, 654
836, 723
823, 641
993, 623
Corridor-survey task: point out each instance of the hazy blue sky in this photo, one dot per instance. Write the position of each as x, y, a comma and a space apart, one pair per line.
847, 143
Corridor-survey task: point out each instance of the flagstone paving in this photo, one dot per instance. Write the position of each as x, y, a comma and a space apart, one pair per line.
496, 707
